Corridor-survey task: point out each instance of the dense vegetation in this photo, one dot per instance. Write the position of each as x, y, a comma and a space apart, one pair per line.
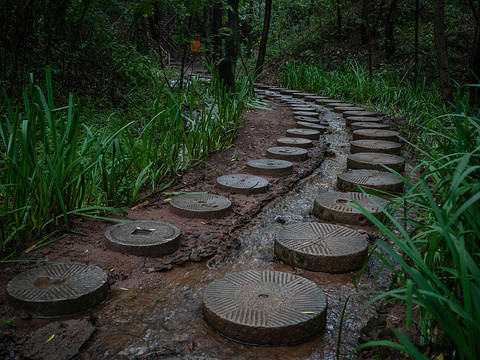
411, 60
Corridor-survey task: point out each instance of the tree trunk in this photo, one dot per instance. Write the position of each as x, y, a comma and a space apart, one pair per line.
227, 65
417, 12
364, 25
389, 30
441, 48
263, 43
338, 8
475, 65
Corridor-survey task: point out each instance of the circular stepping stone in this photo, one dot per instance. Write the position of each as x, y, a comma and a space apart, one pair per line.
295, 142
262, 86
270, 167
287, 153
341, 109
337, 207
243, 184
299, 95
375, 134
205, 206
374, 161
321, 247
326, 101
306, 113
304, 133
287, 91
337, 104
276, 88
376, 146
58, 289
143, 238
313, 98
306, 108
265, 308
309, 119
322, 129
360, 113
369, 179
351, 119
368, 125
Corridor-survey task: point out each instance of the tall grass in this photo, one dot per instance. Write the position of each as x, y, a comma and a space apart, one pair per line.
388, 92
52, 166
437, 247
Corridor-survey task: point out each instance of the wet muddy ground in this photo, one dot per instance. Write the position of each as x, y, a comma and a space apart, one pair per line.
154, 307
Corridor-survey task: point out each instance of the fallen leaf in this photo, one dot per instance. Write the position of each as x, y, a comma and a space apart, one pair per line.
139, 205
309, 312
51, 337
167, 199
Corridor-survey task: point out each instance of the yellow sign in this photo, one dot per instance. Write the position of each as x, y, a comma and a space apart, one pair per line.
195, 46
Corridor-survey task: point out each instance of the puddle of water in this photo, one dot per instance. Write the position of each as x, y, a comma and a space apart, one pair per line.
167, 319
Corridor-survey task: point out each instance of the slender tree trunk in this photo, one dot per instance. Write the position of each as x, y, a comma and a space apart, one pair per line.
263, 43
416, 39
475, 64
441, 48
338, 9
364, 25
389, 30
227, 65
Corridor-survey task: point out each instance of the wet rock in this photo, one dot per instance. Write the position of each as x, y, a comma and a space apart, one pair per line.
67, 339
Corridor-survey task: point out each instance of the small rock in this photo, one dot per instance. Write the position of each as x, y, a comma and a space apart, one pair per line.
280, 220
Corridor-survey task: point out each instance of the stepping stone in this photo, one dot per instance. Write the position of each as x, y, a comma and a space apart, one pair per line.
322, 129
304, 108
342, 109
295, 142
270, 167
299, 95
294, 102
143, 238
276, 88
337, 104
351, 119
308, 119
243, 184
265, 308
313, 98
304, 133
375, 134
321, 247
369, 179
338, 207
306, 113
287, 91
58, 289
326, 101
360, 113
205, 206
262, 86
375, 146
368, 125
287, 153
374, 161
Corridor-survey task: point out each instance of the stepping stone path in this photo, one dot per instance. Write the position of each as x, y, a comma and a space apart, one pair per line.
205, 206
342, 109
309, 119
287, 153
375, 146
304, 133
58, 289
295, 142
242, 184
369, 125
270, 167
360, 113
321, 128
352, 119
374, 161
143, 238
265, 308
370, 179
306, 113
321, 247
374, 134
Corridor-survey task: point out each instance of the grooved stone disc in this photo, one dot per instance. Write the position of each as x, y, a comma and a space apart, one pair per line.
265, 308
306, 113
270, 167
337, 104
304, 133
143, 238
262, 86
205, 206
287, 153
321, 247
351, 119
373, 179
375, 134
306, 125
313, 98
299, 95
243, 184
360, 113
369, 125
295, 142
337, 207
374, 161
58, 289
376, 146
303, 108
341, 109
326, 101
276, 88
287, 91
309, 119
